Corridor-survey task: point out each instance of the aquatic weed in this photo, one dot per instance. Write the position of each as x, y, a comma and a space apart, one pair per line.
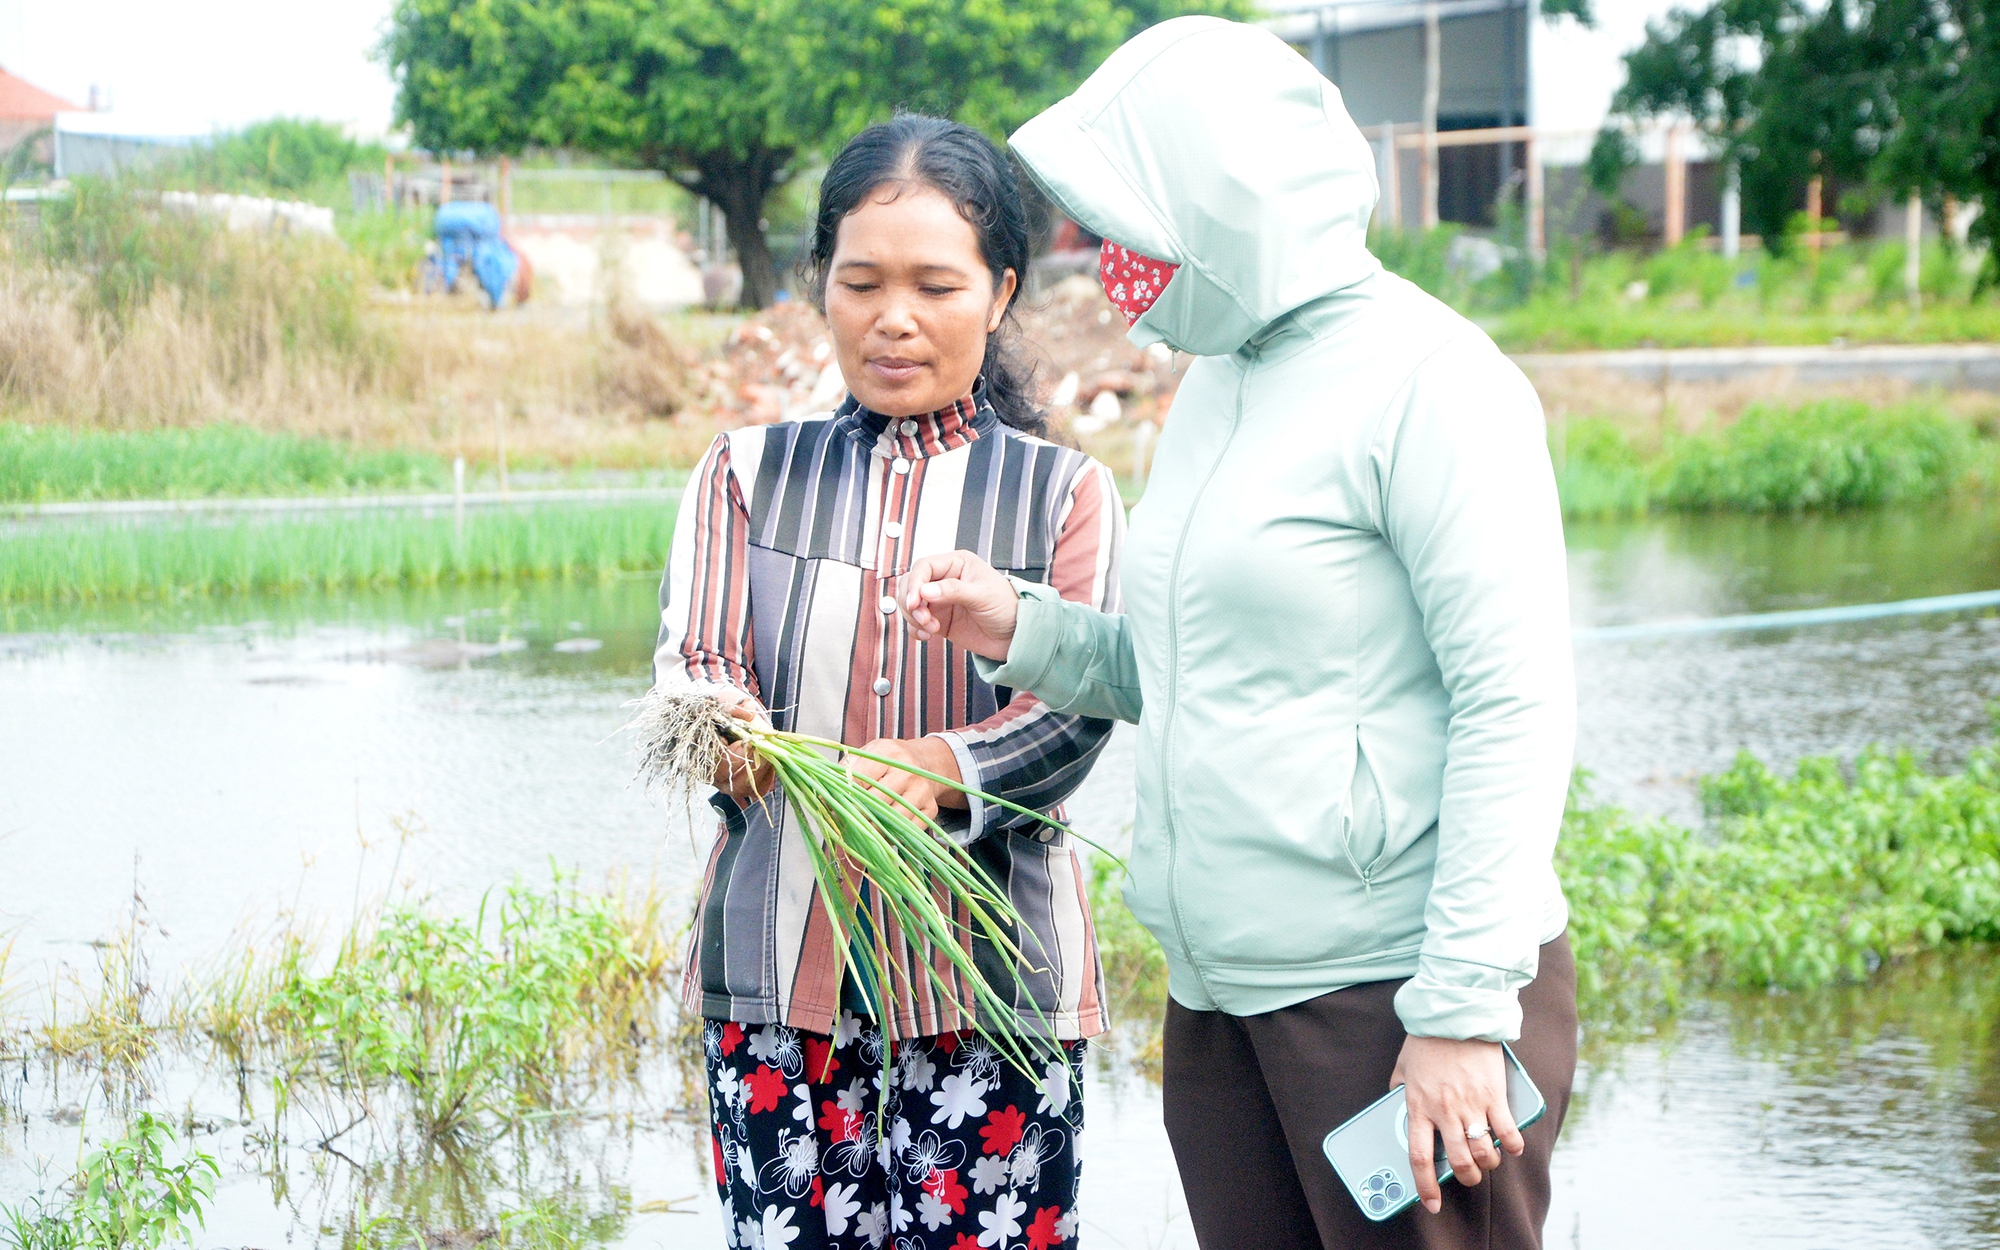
1799, 882
127, 1196
465, 1018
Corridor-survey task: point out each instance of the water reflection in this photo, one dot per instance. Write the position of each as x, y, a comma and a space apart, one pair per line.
1864, 1115
232, 759
1681, 567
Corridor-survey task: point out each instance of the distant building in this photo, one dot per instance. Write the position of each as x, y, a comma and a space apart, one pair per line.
1498, 65
27, 116
105, 145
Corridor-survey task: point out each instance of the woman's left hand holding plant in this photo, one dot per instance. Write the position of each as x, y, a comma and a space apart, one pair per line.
923, 794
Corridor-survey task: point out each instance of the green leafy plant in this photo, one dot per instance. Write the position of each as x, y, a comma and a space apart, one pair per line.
1831, 454
1801, 881
465, 1018
1824, 455
284, 156
127, 1196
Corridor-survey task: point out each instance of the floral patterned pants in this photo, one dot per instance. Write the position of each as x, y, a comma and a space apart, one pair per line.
971, 1154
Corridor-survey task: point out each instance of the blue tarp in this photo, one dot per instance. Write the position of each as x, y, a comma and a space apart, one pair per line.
469, 233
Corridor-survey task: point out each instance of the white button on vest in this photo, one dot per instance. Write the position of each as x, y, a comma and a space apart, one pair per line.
888, 605
882, 685
892, 529
909, 427
900, 465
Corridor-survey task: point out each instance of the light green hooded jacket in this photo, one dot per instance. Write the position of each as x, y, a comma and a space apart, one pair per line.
1346, 641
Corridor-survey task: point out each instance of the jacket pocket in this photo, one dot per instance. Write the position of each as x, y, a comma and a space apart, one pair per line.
1364, 829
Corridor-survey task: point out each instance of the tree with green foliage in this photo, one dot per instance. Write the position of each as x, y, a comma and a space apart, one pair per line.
1873, 96
1810, 102
730, 97
284, 155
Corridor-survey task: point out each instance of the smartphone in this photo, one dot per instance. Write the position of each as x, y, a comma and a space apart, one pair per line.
1371, 1152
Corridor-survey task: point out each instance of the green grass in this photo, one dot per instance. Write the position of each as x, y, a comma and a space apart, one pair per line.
1825, 455
57, 563
1584, 299
1556, 325
1812, 879
45, 463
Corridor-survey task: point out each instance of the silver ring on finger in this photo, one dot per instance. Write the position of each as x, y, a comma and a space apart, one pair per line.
1477, 1131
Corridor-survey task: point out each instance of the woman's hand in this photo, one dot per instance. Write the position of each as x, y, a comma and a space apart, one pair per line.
962, 598
931, 754
744, 775
1453, 1086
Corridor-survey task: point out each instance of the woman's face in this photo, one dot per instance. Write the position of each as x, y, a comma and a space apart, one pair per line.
910, 302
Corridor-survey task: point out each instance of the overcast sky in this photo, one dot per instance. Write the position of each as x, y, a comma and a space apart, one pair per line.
209, 62
213, 63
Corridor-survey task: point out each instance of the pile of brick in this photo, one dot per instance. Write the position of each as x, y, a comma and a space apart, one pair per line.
1096, 378
778, 365
775, 366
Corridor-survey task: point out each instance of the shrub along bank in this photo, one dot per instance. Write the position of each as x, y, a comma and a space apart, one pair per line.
1797, 882
1824, 455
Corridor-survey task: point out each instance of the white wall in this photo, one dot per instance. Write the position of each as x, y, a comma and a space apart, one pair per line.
1576, 71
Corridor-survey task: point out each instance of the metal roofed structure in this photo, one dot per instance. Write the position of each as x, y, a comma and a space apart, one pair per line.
1373, 50
106, 145
27, 112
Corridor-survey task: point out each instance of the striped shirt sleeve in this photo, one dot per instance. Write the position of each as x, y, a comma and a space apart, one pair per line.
1025, 753
705, 594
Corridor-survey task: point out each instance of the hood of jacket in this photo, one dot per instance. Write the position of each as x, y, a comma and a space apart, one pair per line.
1213, 145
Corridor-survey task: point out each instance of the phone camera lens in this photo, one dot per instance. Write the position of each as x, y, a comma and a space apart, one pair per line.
1394, 1192
1377, 1203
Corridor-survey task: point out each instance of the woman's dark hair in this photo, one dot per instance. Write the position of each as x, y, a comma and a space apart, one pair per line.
963, 166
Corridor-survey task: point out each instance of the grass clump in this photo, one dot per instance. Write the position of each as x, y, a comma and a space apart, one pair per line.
62, 563
540, 994
40, 464
127, 1196
1826, 455
1829, 454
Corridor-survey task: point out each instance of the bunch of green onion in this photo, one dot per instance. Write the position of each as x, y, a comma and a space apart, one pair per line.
856, 832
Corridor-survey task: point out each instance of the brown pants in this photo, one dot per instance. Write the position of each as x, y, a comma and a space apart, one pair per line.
1248, 1100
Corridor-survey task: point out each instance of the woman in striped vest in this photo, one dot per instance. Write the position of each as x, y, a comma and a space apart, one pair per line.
790, 541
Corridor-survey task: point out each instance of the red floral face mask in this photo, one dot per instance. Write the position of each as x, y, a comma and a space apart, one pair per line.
1132, 281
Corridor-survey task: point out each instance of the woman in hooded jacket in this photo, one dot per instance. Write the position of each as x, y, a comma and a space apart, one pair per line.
1346, 648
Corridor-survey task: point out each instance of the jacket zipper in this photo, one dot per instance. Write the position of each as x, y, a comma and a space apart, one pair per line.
1174, 685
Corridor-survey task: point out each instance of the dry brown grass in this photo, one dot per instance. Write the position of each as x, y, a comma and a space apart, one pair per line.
278, 334
442, 377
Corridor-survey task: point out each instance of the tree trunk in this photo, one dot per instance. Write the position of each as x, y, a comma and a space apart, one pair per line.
739, 188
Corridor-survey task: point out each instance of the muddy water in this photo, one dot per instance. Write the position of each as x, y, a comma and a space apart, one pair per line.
228, 761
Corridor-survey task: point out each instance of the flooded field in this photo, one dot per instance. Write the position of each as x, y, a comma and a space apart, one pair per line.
187, 775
